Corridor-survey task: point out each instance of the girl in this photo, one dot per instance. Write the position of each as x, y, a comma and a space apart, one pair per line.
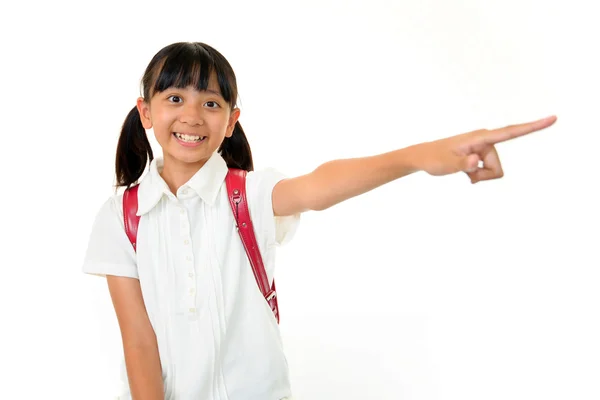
193, 324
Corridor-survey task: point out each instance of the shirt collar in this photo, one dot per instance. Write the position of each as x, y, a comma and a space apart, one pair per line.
206, 183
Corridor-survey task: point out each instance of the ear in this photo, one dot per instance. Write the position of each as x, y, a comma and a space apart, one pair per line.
233, 118
144, 110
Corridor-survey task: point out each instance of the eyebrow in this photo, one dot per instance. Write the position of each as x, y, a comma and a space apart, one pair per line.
214, 92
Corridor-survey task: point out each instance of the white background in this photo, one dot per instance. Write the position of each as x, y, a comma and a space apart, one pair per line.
426, 288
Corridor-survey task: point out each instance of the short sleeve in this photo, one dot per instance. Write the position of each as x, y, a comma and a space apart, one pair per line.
109, 251
278, 230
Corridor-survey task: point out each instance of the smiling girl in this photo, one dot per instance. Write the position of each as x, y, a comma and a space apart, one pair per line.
193, 321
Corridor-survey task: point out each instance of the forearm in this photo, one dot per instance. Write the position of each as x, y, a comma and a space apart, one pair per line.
339, 180
144, 372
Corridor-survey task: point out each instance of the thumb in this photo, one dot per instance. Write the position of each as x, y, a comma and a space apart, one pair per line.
470, 163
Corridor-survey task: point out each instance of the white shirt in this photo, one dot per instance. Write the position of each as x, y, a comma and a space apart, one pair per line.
217, 336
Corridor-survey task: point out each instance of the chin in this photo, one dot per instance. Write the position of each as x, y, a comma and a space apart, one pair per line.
189, 157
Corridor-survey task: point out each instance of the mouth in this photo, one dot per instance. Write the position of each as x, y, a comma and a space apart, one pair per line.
188, 138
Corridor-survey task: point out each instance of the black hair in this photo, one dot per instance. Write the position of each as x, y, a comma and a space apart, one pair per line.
180, 65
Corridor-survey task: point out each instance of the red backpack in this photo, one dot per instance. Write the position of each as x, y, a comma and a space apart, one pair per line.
236, 189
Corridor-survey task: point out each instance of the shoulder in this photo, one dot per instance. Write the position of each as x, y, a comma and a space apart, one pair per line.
109, 217
109, 251
259, 187
261, 182
111, 209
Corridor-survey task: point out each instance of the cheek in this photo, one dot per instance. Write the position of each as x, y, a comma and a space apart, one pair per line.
162, 124
221, 124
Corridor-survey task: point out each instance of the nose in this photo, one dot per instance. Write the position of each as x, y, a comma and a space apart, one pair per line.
192, 115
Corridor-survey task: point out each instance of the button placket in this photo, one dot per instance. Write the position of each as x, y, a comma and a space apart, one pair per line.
188, 257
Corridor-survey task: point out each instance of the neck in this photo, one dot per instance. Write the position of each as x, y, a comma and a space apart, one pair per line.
176, 173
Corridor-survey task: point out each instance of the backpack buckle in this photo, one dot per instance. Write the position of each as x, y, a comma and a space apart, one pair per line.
237, 197
271, 295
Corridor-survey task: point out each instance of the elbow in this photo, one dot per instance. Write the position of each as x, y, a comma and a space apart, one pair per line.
319, 199
140, 337
140, 343
319, 205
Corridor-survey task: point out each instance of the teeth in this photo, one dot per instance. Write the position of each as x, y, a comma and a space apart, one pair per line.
188, 138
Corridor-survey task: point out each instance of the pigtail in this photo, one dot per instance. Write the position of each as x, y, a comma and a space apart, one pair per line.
133, 150
235, 150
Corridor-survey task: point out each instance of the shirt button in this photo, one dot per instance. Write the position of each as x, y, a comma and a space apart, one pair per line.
192, 290
186, 242
182, 211
192, 310
191, 275
184, 191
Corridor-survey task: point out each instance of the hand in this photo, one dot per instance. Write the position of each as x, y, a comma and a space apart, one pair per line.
464, 152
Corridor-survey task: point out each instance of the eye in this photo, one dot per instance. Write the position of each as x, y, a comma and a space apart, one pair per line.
212, 104
175, 99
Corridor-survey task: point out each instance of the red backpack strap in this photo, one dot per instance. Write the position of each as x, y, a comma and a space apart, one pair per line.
236, 189
131, 220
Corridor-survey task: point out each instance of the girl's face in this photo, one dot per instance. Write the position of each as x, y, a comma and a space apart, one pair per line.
188, 124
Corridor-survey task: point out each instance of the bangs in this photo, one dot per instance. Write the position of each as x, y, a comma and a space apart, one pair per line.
192, 65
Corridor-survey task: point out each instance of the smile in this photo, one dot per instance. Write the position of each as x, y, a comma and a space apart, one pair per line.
189, 138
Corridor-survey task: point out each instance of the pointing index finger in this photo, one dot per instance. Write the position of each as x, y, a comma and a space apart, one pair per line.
514, 131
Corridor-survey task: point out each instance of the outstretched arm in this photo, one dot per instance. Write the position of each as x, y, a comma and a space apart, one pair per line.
339, 180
